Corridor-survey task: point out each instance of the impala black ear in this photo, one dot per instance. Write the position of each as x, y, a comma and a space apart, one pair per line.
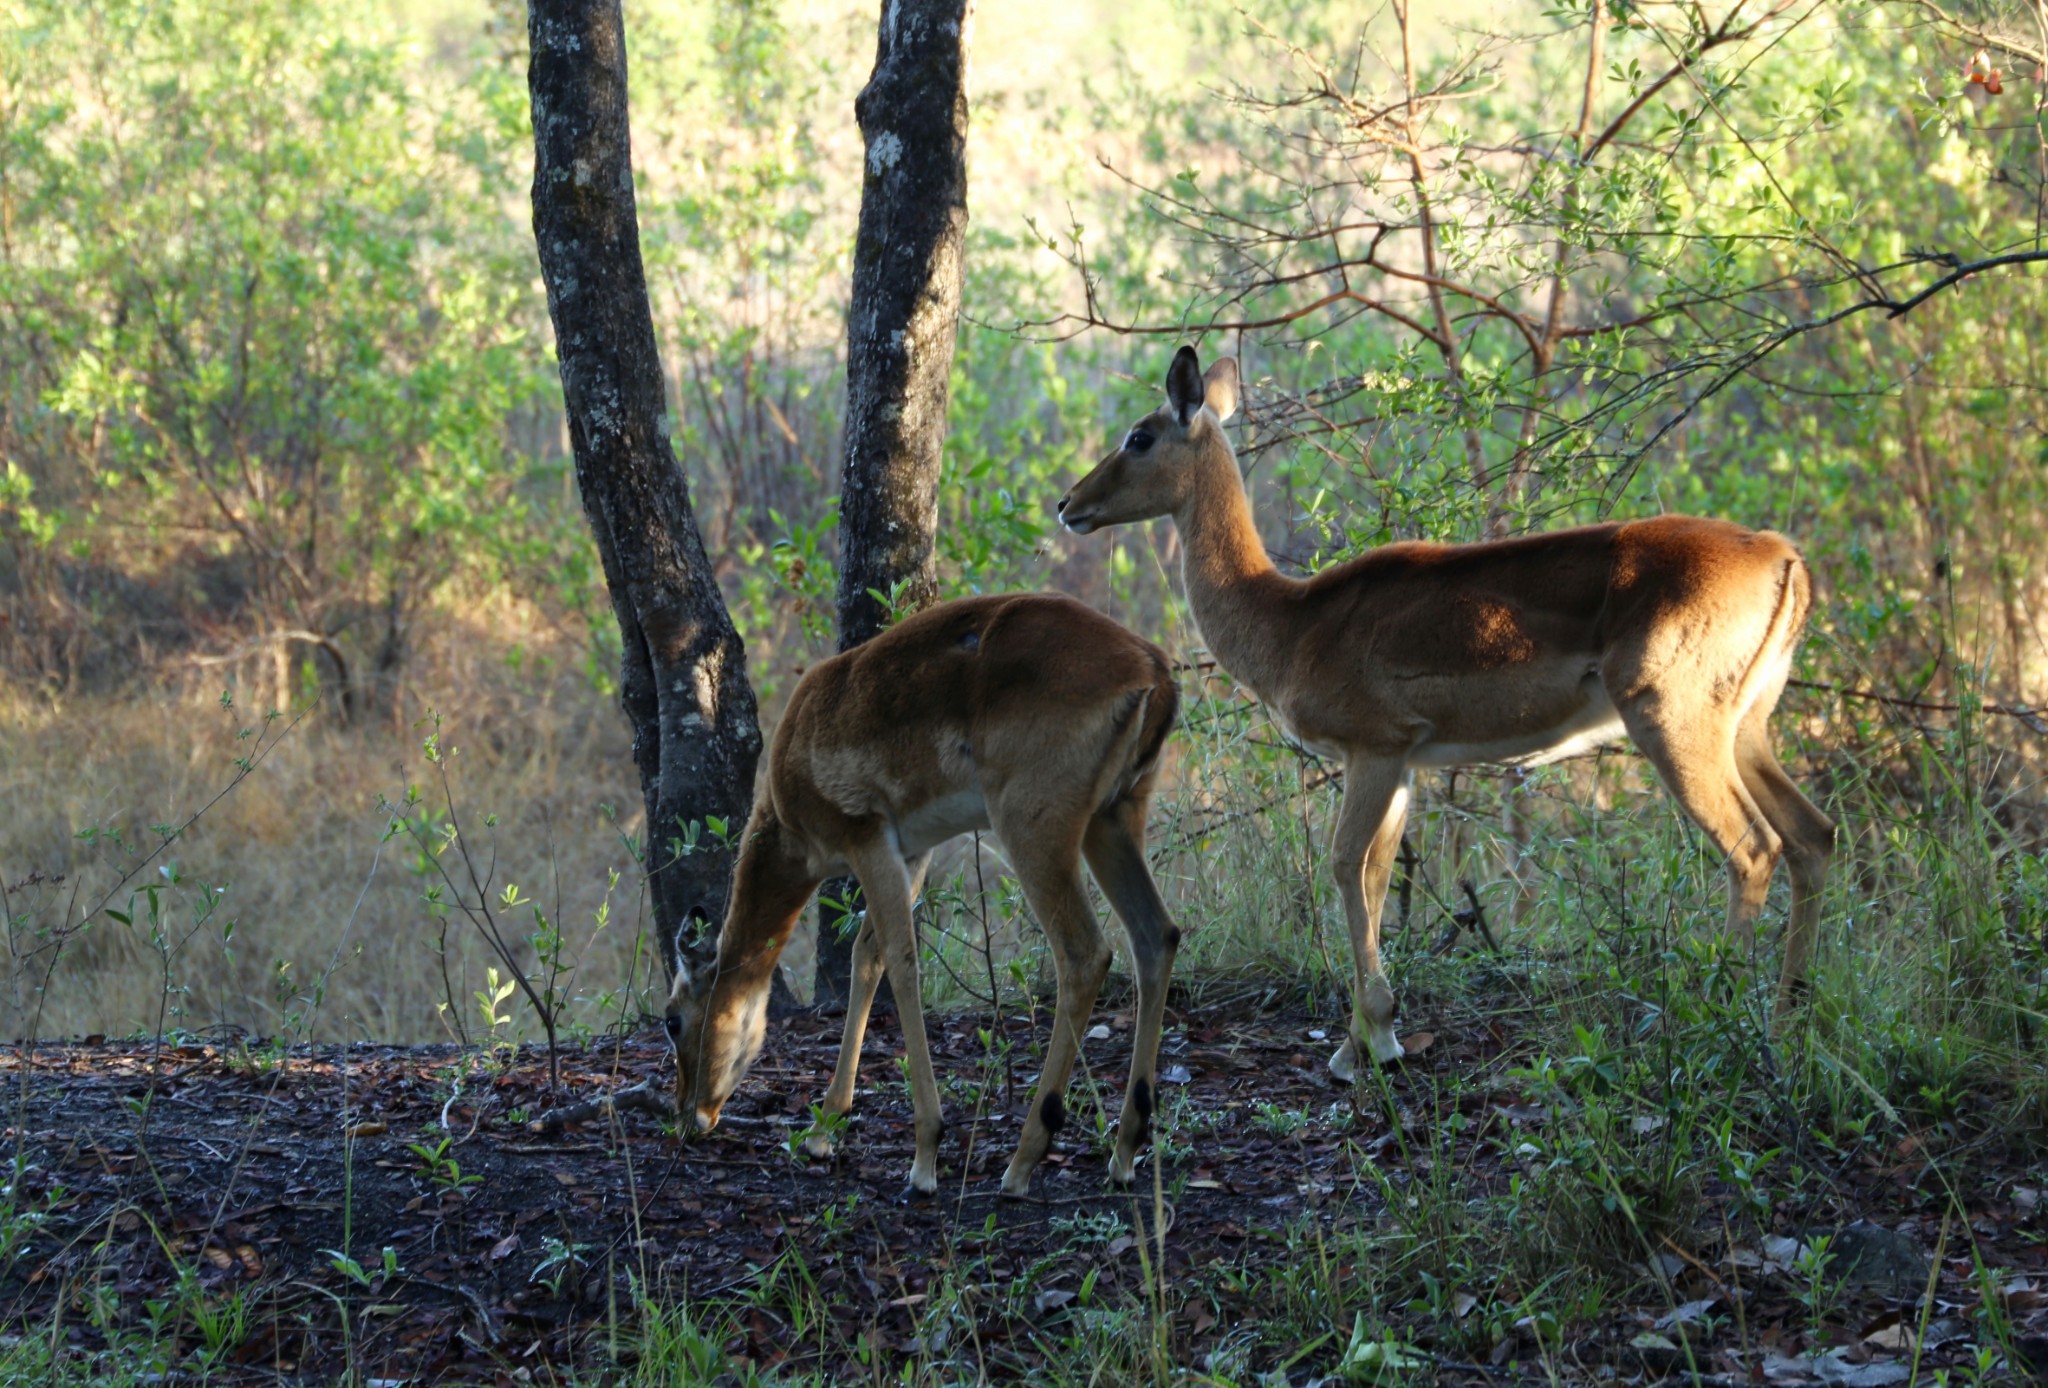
1184, 386
695, 964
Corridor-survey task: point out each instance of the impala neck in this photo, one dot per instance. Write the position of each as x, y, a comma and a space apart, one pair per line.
1242, 604
771, 886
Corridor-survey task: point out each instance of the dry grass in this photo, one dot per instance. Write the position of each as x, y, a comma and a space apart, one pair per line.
312, 880
300, 846
315, 880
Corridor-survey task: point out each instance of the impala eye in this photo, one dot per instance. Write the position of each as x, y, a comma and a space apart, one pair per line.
673, 1024
1137, 441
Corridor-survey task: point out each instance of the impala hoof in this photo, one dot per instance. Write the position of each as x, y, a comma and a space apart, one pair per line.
1383, 1048
1344, 1064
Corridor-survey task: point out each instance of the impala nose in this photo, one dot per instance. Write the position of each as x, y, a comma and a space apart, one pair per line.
1061, 509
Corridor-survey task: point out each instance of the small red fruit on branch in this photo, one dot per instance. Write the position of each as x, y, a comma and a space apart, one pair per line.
1980, 72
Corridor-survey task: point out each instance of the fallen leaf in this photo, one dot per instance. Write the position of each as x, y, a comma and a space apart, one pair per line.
1782, 1254
1098, 1032
505, 1247
219, 1257
1176, 1074
1669, 1266
1687, 1312
369, 1127
1878, 1373
1051, 1300
1418, 1043
1946, 1330
1832, 1368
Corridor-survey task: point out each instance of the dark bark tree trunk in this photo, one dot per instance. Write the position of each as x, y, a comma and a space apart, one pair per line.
900, 330
683, 678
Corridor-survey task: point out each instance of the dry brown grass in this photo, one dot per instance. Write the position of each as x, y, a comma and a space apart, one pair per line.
300, 846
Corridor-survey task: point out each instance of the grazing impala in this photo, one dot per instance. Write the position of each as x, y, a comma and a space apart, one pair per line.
1678, 630
1026, 713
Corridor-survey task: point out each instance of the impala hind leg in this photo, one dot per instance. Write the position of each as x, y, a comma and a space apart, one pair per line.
1115, 846
1362, 856
1809, 838
1051, 877
1696, 761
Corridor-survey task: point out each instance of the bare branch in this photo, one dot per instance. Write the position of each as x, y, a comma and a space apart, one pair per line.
1982, 37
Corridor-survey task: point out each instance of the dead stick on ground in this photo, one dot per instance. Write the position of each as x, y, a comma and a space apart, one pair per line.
643, 1096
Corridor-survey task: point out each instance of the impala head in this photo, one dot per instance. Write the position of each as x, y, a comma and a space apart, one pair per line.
717, 1012
716, 1038
1156, 467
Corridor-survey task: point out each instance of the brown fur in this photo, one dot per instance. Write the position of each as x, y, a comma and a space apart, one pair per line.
1678, 629
1026, 713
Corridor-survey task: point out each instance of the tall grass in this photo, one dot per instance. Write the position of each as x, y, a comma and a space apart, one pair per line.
296, 868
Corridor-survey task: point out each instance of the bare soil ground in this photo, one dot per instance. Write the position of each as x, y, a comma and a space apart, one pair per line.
155, 1163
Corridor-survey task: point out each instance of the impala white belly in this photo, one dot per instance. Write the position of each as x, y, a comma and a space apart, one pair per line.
932, 823
1595, 722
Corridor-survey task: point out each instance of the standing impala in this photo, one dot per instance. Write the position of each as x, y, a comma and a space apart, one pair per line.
1026, 713
1678, 630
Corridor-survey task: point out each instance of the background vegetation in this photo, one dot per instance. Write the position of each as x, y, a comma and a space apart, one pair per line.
278, 418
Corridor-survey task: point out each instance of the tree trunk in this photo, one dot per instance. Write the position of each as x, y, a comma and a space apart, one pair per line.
683, 679
900, 329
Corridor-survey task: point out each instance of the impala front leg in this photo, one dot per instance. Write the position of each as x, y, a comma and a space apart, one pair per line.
886, 886
1362, 860
861, 987
860, 1002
